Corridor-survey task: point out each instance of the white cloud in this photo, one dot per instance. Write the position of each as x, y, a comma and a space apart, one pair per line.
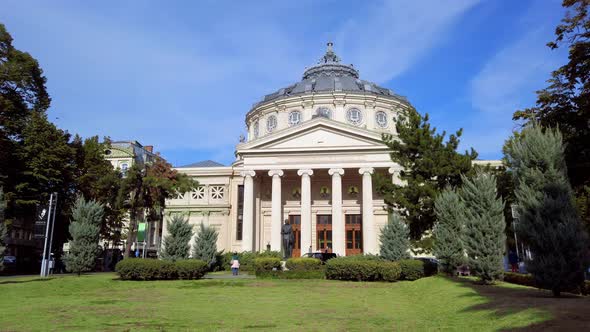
396, 34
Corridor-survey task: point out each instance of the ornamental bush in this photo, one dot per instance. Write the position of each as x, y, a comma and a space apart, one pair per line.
304, 264
191, 268
247, 258
390, 271
292, 274
266, 264
353, 269
154, 269
412, 269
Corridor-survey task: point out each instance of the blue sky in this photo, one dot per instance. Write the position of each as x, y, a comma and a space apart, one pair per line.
181, 75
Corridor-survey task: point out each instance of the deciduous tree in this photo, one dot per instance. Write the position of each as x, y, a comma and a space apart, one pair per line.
3, 232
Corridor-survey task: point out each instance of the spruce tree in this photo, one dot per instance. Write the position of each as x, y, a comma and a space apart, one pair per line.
205, 246
177, 242
548, 223
394, 239
484, 236
3, 232
448, 244
84, 229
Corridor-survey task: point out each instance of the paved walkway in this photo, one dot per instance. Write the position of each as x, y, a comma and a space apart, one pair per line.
228, 276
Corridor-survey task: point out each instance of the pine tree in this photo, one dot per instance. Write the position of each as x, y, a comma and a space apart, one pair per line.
548, 222
448, 245
84, 229
177, 242
430, 162
484, 236
395, 239
205, 247
3, 232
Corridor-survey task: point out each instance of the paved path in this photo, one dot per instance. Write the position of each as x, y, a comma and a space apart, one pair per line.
228, 276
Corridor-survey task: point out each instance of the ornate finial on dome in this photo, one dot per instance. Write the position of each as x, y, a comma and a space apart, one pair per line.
330, 56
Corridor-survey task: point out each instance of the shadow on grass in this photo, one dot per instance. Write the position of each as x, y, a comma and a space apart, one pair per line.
23, 281
569, 312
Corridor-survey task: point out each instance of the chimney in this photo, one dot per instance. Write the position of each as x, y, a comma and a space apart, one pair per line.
149, 148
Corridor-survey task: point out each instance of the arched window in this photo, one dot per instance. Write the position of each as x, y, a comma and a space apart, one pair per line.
324, 112
354, 116
256, 130
271, 123
381, 119
294, 118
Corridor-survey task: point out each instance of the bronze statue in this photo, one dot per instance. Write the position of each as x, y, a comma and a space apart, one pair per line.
288, 239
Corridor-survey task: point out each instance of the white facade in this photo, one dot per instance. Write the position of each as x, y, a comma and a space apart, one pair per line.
309, 158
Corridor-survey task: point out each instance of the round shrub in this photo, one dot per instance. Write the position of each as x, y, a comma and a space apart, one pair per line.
304, 264
353, 269
246, 259
191, 268
266, 264
412, 269
390, 271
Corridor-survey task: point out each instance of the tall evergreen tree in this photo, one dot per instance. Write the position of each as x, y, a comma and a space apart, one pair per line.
205, 246
177, 242
429, 162
565, 103
484, 236
448, 230
3, 232
395, 239
85, 230
548, 223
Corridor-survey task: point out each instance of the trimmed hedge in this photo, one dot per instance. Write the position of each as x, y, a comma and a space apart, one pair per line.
191, 268
154, 269
304, 264
390, 271
412, 269
246, 259
362, 269
266, 264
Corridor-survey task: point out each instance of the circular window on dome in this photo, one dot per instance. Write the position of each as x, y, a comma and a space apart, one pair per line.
381, 119
294, 118
324, 112
256, 130
271, 123
354, 116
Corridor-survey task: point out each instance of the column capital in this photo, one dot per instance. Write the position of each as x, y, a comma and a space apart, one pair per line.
247, 173
305, 171
334, 171
273, 172
366, 170
394, 170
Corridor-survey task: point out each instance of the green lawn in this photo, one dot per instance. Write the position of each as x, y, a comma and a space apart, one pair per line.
100, 302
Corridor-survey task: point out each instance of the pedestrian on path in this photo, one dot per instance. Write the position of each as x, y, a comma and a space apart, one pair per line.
235, 264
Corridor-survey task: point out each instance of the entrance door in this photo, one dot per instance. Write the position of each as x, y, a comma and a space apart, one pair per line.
354, 234
324, 232
295, 221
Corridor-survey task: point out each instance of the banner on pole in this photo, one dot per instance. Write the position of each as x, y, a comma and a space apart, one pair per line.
141, 231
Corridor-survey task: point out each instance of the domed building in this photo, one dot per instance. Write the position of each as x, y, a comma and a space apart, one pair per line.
309, 158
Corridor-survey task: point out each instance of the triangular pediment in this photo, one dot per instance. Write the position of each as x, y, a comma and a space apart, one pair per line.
317, 134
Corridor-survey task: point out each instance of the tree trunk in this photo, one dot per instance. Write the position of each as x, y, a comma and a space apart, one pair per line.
131, 233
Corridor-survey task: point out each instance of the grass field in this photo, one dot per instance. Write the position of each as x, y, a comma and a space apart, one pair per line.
100, 302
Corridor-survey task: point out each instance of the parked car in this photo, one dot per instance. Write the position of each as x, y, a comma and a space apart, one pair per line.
322, 256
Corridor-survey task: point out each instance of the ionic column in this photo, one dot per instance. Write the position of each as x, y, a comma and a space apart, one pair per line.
369, 234
276, 215
338, 229
395, 176
305, 209
248, 221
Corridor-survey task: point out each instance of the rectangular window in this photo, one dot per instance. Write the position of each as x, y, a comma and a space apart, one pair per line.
239, 222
